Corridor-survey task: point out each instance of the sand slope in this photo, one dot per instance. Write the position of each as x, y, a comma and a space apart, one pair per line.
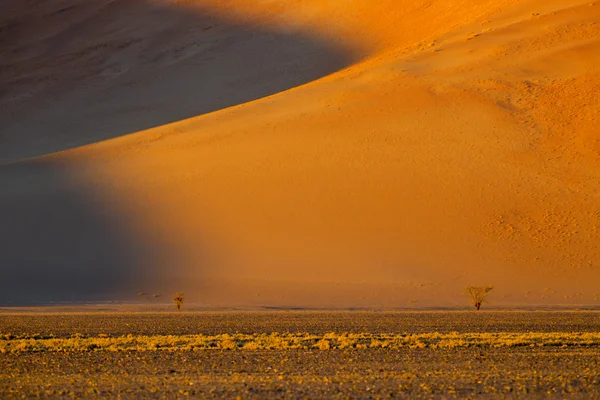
455, 145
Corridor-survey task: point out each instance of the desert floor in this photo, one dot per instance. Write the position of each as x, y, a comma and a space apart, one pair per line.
300, 354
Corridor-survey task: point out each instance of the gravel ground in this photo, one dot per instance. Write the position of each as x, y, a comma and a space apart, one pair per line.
305, 374
211, 323
532, 372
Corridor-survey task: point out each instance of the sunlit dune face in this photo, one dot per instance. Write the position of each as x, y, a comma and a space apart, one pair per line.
320, 153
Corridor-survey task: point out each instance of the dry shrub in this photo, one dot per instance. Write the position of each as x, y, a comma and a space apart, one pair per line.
478, 294
178, 299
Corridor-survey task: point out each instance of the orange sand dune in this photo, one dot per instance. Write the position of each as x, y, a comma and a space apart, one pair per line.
342, 153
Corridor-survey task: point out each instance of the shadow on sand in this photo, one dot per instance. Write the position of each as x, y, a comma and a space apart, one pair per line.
96, 70
77, 72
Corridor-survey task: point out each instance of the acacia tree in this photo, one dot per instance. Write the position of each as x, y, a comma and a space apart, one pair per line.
178, 299
478, 294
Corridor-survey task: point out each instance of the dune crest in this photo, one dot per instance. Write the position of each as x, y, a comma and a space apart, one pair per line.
448, 143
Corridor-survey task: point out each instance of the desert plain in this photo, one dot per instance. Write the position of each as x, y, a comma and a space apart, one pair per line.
328, 155
300, 354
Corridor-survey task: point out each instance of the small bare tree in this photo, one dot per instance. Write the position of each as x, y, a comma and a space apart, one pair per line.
178, 299
478, 294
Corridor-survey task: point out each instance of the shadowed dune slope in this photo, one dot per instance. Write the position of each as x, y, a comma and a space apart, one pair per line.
455, 145
93, 70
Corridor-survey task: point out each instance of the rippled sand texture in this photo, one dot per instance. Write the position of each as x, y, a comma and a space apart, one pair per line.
300, 153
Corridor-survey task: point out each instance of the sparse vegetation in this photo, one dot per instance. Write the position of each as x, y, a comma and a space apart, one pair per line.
178, 299
478, 295
295, 341
294, 354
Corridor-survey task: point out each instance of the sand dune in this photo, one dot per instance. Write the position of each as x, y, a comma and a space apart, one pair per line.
403, 151
94, 70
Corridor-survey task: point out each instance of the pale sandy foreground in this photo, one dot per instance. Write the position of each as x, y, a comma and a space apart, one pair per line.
300, 153
301, 354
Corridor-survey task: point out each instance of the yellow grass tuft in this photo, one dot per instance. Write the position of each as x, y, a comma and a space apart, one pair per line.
288, 341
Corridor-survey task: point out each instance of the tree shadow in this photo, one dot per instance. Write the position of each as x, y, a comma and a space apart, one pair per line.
76, 72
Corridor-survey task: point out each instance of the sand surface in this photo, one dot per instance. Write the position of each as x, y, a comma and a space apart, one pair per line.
300, 153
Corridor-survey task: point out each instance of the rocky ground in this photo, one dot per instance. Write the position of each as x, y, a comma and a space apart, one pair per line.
463, 372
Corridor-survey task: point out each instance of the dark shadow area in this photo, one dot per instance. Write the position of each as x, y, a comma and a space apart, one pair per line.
56, 245
75, 72
64, 241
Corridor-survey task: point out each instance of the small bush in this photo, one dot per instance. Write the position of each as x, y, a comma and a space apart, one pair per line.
178, 299
478, 294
